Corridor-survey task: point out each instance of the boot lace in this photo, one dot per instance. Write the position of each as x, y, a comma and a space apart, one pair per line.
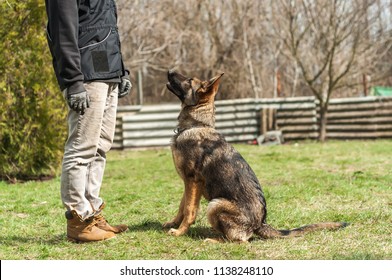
91, 223
100, 219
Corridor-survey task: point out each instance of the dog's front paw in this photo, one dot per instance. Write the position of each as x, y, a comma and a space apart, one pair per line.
175, 232
169, 224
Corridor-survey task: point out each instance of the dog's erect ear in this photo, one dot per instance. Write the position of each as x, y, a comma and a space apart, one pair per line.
213, 84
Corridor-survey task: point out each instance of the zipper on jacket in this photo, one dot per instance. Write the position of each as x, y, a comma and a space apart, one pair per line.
97, 43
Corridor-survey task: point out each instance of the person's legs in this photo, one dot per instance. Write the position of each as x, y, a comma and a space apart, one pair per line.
81, 164
96, 168
81, 150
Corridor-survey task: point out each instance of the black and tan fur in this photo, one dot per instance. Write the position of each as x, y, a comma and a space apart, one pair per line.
212, 168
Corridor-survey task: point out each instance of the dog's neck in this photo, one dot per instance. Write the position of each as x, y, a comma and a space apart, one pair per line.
179, 130
200, 117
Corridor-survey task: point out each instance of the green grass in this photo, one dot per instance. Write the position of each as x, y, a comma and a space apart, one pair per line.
303, 183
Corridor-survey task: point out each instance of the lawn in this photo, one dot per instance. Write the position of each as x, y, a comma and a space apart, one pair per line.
303, 183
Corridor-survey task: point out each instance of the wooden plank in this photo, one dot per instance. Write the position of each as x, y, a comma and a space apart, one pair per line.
356, 100
235, 101
292, 106
359, 107
170, 125
239, 130
118, 137
239, 115
119, 121
146, 109
118, 134
300, 136
146, 134
301, 99
300, 128
235, 108
284, 122
155, 142
128, 109
149, 117
369, 120
296, 114
236, 122
117, 145
240, 138
358, 114
362, 135
360, 128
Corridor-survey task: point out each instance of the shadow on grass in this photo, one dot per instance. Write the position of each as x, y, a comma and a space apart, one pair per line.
201, 233
146, 226
52, 240
195, 232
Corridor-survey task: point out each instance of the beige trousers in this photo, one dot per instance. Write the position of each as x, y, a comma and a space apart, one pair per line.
90, 137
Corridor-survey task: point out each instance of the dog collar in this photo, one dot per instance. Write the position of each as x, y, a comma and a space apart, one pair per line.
179, 130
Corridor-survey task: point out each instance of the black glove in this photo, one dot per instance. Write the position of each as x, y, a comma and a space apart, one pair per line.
125, 87
78, 102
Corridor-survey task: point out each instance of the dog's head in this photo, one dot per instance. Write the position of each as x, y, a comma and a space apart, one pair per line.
192, 91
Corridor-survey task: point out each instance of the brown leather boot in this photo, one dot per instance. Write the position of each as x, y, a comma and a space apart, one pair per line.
84, 231
102, 223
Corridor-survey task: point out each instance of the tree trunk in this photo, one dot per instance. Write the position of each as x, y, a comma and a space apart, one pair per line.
323, 122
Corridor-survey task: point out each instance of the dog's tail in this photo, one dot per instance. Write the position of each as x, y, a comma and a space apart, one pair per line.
266, 231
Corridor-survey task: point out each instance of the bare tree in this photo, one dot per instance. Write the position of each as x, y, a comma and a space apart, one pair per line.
199, 37
326, 39
315, 47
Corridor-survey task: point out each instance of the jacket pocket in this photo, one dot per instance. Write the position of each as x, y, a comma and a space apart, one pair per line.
102, 59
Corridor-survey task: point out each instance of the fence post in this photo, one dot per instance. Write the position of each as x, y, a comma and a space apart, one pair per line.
268, 120
139, 88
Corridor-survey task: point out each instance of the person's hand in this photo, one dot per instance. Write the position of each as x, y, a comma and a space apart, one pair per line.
78, 102
125, 87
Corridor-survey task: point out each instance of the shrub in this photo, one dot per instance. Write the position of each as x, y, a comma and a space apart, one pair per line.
32, 112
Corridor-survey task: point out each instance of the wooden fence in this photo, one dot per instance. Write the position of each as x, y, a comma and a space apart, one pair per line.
360, 118
244, 120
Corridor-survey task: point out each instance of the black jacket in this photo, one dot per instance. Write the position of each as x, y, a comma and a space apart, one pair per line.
84, 42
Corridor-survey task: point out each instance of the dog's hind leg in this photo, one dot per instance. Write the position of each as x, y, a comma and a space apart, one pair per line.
225, 217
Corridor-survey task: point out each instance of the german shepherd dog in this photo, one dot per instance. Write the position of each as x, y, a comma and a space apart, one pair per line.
212, 168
